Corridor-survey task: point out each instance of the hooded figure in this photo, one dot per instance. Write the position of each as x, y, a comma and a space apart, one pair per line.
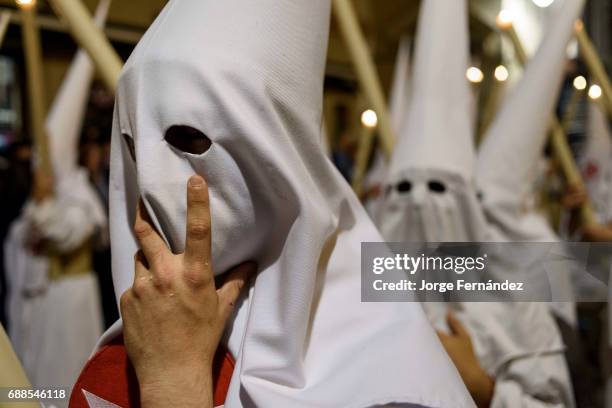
54, 305
430, 197
232, 90
398, 100
507, 165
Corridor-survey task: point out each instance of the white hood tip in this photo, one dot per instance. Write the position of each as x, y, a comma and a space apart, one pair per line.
438, 129
507, 160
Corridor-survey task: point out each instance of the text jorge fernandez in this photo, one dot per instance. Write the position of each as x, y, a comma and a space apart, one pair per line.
458, 265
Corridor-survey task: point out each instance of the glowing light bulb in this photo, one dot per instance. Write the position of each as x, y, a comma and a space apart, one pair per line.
501, 73
369, 118
474, 75
580, 83
595, 92
25, 3
543, 3
504, 19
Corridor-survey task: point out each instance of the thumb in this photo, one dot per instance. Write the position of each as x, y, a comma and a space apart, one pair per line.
229, 292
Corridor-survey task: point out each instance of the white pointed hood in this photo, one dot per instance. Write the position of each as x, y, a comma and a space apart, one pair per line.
249, 76
65, 118
400, 89
398, 106
508, 158
429, 194
438, 132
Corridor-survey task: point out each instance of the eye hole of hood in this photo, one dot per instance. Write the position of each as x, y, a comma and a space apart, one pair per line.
404, 186
188, 139
436, 186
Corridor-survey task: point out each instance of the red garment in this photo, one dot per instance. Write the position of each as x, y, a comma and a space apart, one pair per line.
108, 375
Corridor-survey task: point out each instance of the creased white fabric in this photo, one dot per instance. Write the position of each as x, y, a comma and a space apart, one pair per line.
507, 165
54, 324
506, 169
249, 75
431, 197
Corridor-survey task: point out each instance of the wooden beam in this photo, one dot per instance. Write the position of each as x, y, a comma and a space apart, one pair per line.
595, 65
35, 84
366, 70
5, 18
92, 39
12, 374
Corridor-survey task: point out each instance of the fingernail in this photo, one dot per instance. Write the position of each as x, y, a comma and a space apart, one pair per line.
196, 181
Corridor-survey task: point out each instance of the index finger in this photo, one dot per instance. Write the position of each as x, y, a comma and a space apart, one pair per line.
152, 245
198, 239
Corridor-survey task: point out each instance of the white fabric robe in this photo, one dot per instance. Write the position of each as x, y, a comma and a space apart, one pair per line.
54, 324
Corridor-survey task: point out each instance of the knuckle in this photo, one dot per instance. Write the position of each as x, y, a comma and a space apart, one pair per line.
139, 287
142, 230
162, 280
157, 255
198, 230
124, 300
195, 277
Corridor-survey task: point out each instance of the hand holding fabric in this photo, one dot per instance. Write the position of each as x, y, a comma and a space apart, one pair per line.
458, 345
574, 196
43, 186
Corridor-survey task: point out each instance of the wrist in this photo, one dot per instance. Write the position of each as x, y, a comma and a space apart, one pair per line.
185, 388
481, 386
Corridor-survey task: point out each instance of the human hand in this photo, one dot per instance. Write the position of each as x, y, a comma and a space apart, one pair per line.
574, 196
173, 315
597, 233
458, 345
43, 186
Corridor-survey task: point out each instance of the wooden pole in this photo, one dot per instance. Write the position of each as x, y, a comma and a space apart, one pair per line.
366, 70
596, 67
572, 108
364, 148
558, 138
91, 38
12, 374
36, 90
5, 18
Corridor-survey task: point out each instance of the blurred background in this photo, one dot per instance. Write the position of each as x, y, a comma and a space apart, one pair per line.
494, 69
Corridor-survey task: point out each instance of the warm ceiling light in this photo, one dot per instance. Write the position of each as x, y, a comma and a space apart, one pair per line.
474, 75
369, 118
504, 19
501, 73
25, 3
595, 92
543, 3
580, 83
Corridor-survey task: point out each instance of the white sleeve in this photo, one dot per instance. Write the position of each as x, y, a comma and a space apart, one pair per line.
66, 225
534, 382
